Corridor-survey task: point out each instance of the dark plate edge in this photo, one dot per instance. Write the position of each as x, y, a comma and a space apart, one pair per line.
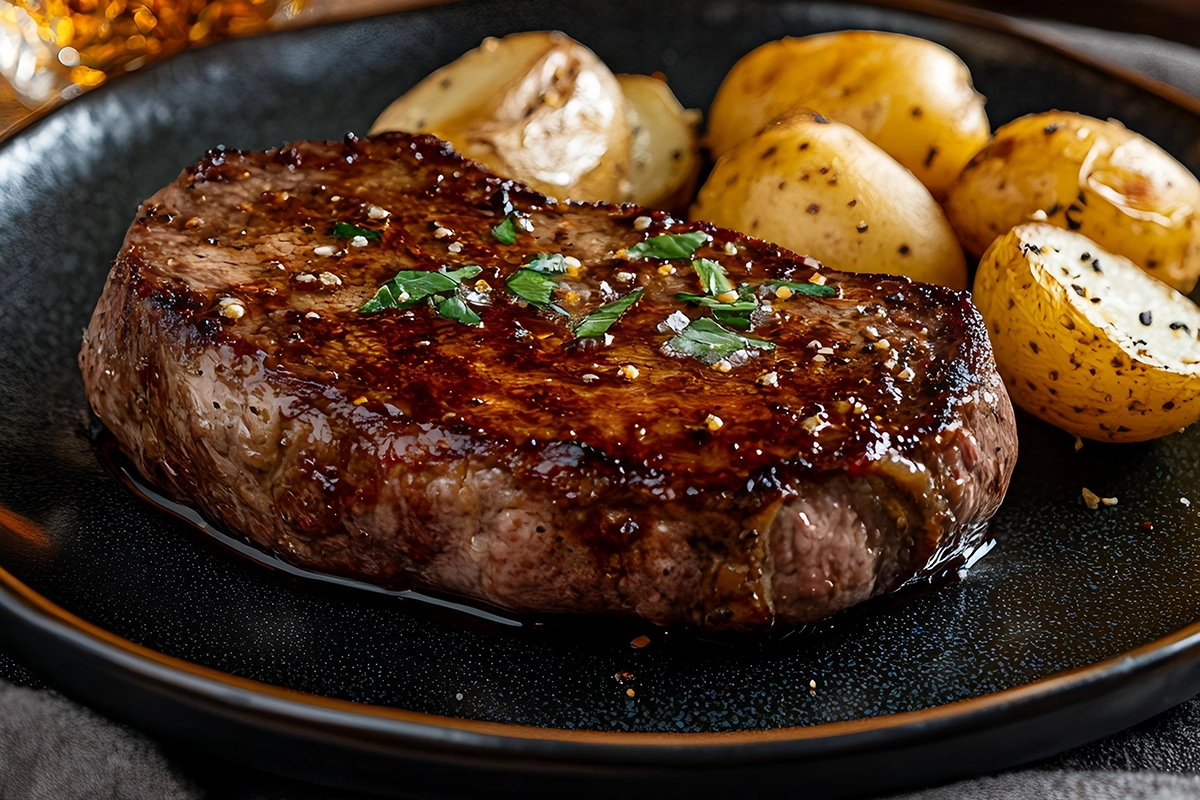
271, 706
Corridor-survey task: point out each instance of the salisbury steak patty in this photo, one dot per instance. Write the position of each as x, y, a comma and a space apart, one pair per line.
512, 461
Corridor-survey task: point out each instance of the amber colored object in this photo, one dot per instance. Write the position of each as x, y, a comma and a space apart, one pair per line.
53, 50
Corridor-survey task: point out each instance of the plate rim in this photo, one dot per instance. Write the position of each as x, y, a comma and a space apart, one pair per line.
429, 732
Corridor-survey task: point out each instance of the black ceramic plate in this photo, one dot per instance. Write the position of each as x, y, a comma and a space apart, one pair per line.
1078, 622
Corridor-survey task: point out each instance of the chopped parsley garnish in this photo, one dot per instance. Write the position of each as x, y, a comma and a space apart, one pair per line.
462, 273
344, 230
534, 282
707, 341
599, 321
548, 263
712, 302
505, 232
410, 287
814, 289
669, 245
733, 313
454, 308
533, 286
712, 277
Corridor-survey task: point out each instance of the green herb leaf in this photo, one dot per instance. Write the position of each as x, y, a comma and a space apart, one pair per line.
462, 273
732, 315
454, 308
532, 285
712, 302
344, 230
669, 245
816, 290
712, 276
599, 321
388, 296
410, 287
505, 232
548, 264
730, 318
707, 341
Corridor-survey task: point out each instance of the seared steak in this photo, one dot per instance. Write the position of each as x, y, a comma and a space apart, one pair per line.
630, 472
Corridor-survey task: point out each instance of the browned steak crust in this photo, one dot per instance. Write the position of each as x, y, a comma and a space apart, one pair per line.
511, 462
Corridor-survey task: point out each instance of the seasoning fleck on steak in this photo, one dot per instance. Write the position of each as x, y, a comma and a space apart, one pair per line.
856, 441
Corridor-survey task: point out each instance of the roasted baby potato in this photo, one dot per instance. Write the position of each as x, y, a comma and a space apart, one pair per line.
821, 189
1099, 178
909, 96
537, 107
1086, 340
666, 152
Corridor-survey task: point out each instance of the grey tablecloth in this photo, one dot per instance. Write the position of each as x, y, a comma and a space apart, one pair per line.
53, 749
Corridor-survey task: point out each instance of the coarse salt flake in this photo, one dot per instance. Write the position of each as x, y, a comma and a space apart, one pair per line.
730, 249
324, 250
713, 422
722, 366
312, 315
358, 241
454, 247
675, 323
629, 372
590, 377
642, 223
375, 212
768, 379
442, 233
906, 374
329, 279
306, 277
625, 277
572, 261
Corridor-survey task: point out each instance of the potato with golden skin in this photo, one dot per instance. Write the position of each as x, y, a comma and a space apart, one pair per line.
665, 159
911, 97
819, 188
1087, 175
1086, 340
537, 107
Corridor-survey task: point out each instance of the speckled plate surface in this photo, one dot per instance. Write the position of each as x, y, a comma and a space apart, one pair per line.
1078, 622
